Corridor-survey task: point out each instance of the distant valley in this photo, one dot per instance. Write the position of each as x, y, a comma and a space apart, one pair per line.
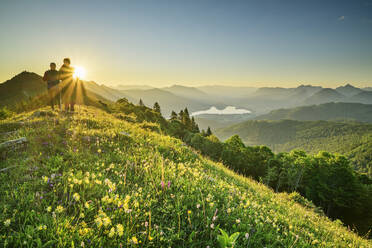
176, 97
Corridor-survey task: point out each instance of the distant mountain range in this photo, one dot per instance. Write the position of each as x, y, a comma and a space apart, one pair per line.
258, 100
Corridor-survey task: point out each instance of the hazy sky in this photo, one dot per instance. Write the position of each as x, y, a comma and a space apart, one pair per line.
248, 42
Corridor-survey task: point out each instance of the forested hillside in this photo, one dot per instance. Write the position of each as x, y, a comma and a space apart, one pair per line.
352, 139
329, 111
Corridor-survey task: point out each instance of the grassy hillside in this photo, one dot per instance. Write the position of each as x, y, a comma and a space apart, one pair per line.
21, 87
349, 138
327, 111
91, 179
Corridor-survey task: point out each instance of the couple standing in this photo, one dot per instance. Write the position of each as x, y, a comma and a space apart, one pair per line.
61, 85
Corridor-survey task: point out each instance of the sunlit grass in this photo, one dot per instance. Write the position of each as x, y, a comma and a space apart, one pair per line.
82, 181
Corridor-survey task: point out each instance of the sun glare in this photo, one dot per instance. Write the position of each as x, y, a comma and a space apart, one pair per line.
79, 72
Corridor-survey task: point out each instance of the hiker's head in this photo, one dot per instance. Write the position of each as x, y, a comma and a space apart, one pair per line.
52, 66
66, 61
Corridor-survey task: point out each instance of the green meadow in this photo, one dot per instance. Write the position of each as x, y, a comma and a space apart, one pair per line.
91, 179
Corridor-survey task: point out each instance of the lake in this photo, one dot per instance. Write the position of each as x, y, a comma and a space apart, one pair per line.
229, 110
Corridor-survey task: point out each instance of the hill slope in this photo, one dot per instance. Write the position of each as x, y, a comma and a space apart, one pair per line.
351, 139
327, 111
324, 96
348, 90
21, 87
91, 179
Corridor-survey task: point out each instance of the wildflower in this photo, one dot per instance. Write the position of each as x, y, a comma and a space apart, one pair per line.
315, 241
82, 215
134, 240
169, 184
76, 196
48, 209
7, 222
246, 235
198, 206
42, 227
86, 205
99, 150
238, 221
212, 226
106, 221
45, 179
120, 229
82, 244
98, 222
162, 184
112, 232
189, 212
228, 210
59, 209
150, 238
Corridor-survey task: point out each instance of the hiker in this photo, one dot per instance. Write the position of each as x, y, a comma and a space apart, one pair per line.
66, 73
52, 78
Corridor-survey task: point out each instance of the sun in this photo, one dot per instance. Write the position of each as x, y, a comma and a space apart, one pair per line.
79, 72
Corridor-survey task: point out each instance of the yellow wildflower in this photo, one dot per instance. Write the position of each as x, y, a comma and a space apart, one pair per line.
59, 209
106, 221
112, 232
120, 229
134, 240
49, 208
98, 221
45, 179
42, 227
76, 196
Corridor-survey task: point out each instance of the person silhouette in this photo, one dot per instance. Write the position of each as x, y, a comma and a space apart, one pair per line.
52, 78
66, 73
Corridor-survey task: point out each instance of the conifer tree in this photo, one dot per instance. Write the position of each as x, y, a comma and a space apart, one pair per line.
141, 103
186, 119
194, 125
157, 107
180, 115
209, 132
174, 116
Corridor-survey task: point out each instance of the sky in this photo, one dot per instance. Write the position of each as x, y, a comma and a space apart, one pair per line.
257, 43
